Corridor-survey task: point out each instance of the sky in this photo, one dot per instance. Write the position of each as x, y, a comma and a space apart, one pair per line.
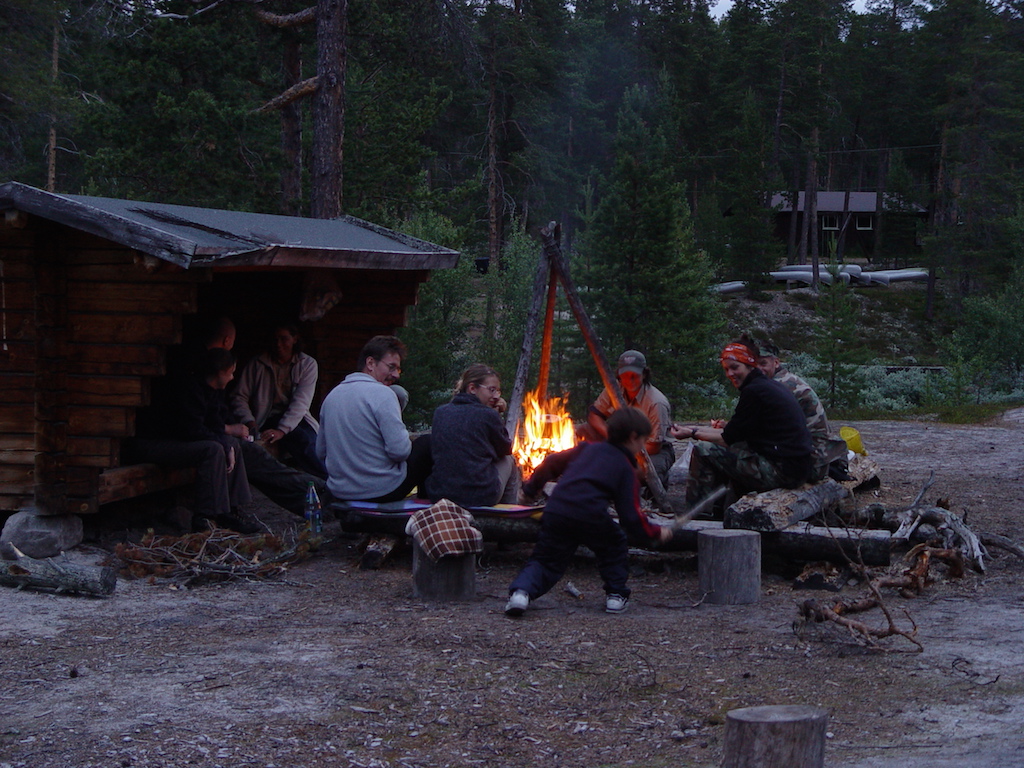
718, 10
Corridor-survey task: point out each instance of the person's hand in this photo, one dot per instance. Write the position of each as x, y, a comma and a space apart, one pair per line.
665, 534
684, 433
270, 436
231, 459
718, 423
237, 430
499, 405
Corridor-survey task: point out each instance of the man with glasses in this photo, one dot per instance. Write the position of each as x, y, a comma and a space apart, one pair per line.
362, 440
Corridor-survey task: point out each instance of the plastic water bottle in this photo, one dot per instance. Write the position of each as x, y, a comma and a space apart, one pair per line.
314, 515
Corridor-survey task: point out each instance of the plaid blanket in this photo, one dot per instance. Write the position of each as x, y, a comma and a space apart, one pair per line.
443, 529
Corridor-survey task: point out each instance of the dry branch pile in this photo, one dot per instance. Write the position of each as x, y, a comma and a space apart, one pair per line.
910, 583
217, 554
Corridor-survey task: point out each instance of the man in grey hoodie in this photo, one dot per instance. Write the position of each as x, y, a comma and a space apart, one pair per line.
362, 440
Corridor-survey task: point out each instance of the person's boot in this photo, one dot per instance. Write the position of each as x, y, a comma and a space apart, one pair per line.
240, 521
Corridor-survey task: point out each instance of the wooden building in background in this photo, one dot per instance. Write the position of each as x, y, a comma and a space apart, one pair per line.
96, 293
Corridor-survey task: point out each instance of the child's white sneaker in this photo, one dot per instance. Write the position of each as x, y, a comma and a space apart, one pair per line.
517, 603
614, 604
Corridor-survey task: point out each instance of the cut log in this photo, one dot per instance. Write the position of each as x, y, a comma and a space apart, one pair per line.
59, 575
803, 542
779, 736
450, 578
729, 566
780, 508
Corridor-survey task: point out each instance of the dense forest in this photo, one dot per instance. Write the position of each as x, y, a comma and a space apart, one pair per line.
653, 131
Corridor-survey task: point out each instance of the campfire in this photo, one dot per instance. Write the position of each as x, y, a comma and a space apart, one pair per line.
546, 428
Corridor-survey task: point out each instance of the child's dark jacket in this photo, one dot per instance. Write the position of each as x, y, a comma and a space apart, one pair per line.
589, 477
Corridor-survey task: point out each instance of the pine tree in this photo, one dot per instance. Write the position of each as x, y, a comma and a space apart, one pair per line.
648, 283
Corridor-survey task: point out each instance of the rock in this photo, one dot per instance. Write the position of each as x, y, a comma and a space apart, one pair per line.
42, 535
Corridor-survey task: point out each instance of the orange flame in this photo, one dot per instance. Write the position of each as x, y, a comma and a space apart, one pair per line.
546, 428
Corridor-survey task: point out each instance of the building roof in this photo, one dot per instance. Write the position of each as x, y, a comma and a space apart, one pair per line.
834, 202
208, 237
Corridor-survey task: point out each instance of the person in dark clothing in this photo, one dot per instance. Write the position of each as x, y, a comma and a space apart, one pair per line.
184, 426
590, 476
470, 446
766, 443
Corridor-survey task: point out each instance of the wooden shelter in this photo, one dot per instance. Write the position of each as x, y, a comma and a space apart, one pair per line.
95, 292
855, 216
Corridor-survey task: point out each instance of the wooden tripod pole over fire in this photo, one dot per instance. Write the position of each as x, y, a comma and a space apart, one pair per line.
552, 269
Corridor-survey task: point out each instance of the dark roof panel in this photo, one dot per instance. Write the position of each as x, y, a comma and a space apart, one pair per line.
834, 202
210, 237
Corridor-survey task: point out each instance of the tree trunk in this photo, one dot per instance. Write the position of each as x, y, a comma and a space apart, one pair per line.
329, 108
879, 245
811, 204
291, 131
493, 181
51, 148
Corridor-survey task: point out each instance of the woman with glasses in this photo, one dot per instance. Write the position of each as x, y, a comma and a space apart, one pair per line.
469, 443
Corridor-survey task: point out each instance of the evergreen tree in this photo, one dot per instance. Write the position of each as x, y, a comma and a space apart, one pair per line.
837, 350
648, 283
753, 249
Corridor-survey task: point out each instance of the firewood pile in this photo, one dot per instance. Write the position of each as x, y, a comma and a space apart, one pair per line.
216, 554
943, 537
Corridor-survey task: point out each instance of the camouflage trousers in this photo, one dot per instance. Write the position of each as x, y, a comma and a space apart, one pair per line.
826, 451
712, 465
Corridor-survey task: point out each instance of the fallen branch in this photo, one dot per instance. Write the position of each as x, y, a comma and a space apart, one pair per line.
910, 583
60, 575
1002, 542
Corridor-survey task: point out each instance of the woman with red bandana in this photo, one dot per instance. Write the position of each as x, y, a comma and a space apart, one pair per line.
764, 445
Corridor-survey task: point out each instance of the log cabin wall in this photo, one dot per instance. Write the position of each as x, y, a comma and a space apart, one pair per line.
89, 322
17, 363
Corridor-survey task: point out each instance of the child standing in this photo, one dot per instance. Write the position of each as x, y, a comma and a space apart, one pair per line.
592, 475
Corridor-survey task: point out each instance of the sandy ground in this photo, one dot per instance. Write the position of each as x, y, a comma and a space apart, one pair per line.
341, 667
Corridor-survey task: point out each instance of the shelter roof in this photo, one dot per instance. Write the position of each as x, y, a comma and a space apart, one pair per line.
209, 237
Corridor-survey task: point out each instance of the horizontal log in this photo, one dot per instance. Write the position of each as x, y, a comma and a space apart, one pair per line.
776, 509
122, 368
14, 500
17, 387
138, 479
58, 574
17, 457
89, 421
124, 329
147, 355
21, 297
132, 297
135, 272
130, 391
80, 447
803, 542
9, 442
17, 419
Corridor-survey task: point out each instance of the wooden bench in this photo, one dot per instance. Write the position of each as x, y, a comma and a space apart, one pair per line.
120, 483
504, 522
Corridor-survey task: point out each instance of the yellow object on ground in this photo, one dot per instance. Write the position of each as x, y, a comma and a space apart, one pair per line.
852, 438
